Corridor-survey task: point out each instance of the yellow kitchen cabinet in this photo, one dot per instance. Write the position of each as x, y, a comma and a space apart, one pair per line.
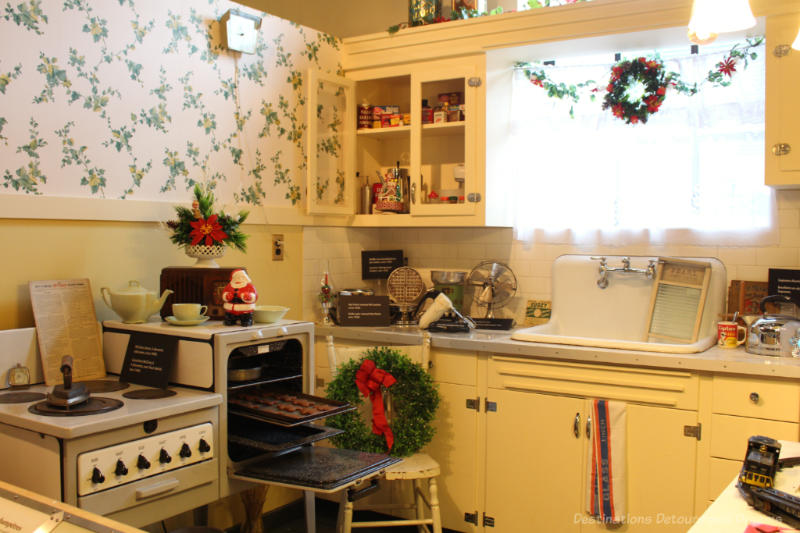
741, 407
536, 435
455, 445
535, 446
782, 137
442, 159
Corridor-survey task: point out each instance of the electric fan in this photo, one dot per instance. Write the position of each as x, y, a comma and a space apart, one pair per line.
492, 284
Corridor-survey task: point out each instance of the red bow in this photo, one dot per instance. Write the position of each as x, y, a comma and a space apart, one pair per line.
369, 379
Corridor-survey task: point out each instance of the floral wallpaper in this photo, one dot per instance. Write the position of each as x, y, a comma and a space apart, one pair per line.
140, 99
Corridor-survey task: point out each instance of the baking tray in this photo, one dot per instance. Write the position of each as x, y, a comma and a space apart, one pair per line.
273, 439
256, 404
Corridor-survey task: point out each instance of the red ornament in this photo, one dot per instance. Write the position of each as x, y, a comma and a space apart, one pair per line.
537, 81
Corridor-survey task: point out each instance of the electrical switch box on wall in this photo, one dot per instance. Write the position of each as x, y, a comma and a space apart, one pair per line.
277, 247
240, 30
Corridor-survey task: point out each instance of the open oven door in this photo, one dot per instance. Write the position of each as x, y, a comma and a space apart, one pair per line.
316, 468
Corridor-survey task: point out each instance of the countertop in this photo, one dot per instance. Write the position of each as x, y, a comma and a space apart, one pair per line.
715, 359
730, 512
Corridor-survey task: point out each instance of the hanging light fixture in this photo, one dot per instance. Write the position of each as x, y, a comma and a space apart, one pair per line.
712, 17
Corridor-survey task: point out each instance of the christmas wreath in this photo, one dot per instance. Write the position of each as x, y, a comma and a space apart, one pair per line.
636, 89
384, 372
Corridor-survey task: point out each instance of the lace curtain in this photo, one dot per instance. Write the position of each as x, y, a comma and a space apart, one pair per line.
694, 174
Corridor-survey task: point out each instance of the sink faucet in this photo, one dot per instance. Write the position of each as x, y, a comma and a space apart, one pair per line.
602, 281
604, 269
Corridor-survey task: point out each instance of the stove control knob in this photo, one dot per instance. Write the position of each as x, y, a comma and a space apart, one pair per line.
203, 446
121, 469
142, 463
97, 476
185, 451
163, 457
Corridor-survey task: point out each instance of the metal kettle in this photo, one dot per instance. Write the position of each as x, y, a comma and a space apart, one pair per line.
764, 335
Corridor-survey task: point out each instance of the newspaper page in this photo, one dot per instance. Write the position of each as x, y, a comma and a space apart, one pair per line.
66, 325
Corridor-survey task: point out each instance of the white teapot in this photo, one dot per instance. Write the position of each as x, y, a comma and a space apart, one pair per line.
134, 303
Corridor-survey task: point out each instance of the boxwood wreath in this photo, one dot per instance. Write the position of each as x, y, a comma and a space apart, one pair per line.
414, 399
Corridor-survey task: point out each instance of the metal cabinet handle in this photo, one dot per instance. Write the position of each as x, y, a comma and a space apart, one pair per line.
576, 426
413, 193
589, 427
754, 397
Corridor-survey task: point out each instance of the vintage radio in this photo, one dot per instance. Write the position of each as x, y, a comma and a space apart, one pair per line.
195, 285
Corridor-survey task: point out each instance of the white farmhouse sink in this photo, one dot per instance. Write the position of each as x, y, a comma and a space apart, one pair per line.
617, 316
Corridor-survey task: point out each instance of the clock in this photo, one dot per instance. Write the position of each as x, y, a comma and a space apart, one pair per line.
19, 376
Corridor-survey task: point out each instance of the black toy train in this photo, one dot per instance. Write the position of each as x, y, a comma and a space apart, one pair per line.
757, 478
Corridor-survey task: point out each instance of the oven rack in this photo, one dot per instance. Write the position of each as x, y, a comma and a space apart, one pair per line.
264, 380
276, 440
288, 421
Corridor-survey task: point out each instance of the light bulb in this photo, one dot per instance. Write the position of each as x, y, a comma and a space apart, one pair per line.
712, 17
796, 43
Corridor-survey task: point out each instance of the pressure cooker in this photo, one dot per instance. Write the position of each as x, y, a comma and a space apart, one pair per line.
765, 334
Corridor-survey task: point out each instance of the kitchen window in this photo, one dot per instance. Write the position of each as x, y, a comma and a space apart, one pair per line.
694, 174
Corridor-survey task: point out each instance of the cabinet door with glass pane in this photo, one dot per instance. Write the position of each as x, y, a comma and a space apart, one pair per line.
447, 109
330, 120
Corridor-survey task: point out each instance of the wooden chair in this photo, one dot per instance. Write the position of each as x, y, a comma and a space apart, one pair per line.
419, 469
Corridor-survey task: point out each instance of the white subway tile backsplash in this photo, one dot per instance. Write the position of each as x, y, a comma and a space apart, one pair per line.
776, 257
790, 238
339, 249
788, 199
789, 218
465, 251
737, 256
752, 273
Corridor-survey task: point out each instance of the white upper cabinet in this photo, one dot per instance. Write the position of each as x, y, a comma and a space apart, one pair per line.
433, 131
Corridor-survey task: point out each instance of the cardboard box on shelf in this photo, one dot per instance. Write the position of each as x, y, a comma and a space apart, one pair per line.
744, 296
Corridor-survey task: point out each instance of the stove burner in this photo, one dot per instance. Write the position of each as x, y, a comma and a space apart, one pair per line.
104, 385
148, 394
21, 397
94, 405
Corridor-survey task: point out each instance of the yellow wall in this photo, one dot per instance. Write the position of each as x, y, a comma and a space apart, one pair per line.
111, 253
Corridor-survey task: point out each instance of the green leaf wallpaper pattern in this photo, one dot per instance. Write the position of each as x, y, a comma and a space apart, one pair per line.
139, 99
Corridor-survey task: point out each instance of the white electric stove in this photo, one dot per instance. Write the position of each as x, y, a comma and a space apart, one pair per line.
144, 460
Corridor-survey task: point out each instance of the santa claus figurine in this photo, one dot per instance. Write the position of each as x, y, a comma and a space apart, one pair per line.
240, 299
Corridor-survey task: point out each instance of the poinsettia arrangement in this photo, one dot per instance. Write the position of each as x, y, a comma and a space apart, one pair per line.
200, 225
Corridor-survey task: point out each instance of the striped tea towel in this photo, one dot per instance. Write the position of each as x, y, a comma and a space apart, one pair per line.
606, 488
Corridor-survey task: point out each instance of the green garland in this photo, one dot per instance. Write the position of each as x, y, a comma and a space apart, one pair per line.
414, 397
647, 71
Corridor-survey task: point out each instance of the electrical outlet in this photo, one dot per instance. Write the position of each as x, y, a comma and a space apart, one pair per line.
277, 248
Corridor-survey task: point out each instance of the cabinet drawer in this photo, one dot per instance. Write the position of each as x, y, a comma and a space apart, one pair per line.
453, 366
729, 434
721, 473
638, 385
758, 398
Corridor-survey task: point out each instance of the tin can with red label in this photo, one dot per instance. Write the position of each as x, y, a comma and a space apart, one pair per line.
364, 116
